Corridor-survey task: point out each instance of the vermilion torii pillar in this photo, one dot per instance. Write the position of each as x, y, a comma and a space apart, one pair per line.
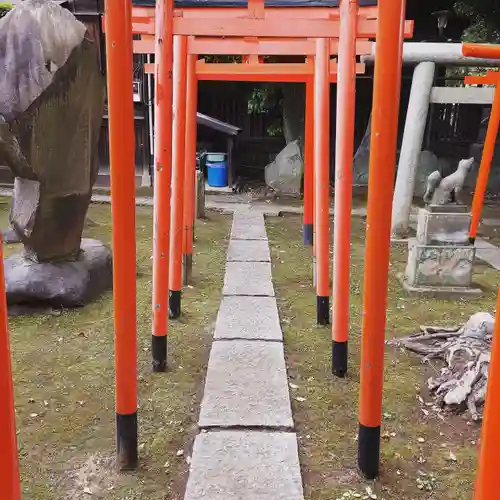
486, 482
162, 180
308, 224
385, 111
122, 162
178, 157
492, 78
190, 174
9, 464
322, 180
344, 151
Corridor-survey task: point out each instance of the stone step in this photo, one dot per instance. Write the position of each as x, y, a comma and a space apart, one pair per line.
246, 386
248, 278
248, 225
250, 318
248, 251
245, 465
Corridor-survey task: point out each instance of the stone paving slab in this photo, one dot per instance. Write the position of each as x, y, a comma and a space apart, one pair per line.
245, 465
253, 318
248, 251
246, 385
248, 225
248, 278
488, 252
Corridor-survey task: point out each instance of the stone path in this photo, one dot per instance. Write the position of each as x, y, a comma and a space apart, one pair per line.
488, 252
246, 449
225, 203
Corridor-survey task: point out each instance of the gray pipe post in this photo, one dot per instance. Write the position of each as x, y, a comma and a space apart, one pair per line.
416, 119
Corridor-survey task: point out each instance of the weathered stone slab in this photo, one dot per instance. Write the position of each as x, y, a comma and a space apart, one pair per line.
245, 465
435, 228
248, 278
254, 318
248, 251
246, 385
439, 265
248, 225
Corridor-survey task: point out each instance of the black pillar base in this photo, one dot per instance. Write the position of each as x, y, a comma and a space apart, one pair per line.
174, 304
126, 441
472, 240
308, 230
159, 352
339, 358
369, 451
323, 310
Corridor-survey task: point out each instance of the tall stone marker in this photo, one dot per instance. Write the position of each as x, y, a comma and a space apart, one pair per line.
51, 108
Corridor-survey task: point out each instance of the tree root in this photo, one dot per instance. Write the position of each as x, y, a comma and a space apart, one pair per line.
466, 351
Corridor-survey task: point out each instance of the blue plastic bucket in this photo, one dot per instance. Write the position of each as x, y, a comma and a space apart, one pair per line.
217, 173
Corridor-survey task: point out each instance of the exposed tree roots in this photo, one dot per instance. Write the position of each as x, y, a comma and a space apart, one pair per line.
466, 352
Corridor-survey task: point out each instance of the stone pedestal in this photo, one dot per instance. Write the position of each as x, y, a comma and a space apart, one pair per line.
440, 258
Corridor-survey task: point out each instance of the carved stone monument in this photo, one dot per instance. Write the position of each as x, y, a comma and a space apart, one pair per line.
51, 106
441, 258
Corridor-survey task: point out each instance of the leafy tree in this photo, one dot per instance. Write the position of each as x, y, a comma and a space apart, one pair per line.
485, 19
4, 8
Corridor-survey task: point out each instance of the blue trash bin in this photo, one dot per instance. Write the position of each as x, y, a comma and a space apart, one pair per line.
216, 169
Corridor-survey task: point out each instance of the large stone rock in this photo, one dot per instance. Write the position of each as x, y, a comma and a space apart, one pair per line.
284, 174
59, 284
51, 108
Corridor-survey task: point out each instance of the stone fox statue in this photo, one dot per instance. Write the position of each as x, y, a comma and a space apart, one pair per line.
442, 190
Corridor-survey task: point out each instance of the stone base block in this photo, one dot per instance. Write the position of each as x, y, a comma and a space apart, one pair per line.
64, 284
439, 265
440, 292
438, 228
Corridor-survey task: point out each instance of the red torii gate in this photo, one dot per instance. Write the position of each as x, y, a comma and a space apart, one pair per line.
486, 485
320, 24
252, 70
255, 22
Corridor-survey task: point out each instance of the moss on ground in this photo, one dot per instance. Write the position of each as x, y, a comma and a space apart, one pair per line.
64, 381
417, 440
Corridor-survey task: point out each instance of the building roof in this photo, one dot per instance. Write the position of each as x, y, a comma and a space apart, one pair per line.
215, 124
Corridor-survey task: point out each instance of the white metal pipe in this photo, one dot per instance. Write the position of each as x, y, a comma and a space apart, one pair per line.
416, 119
439, 53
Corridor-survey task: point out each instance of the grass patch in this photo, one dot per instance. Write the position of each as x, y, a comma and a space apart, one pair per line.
416, 447
64, 381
